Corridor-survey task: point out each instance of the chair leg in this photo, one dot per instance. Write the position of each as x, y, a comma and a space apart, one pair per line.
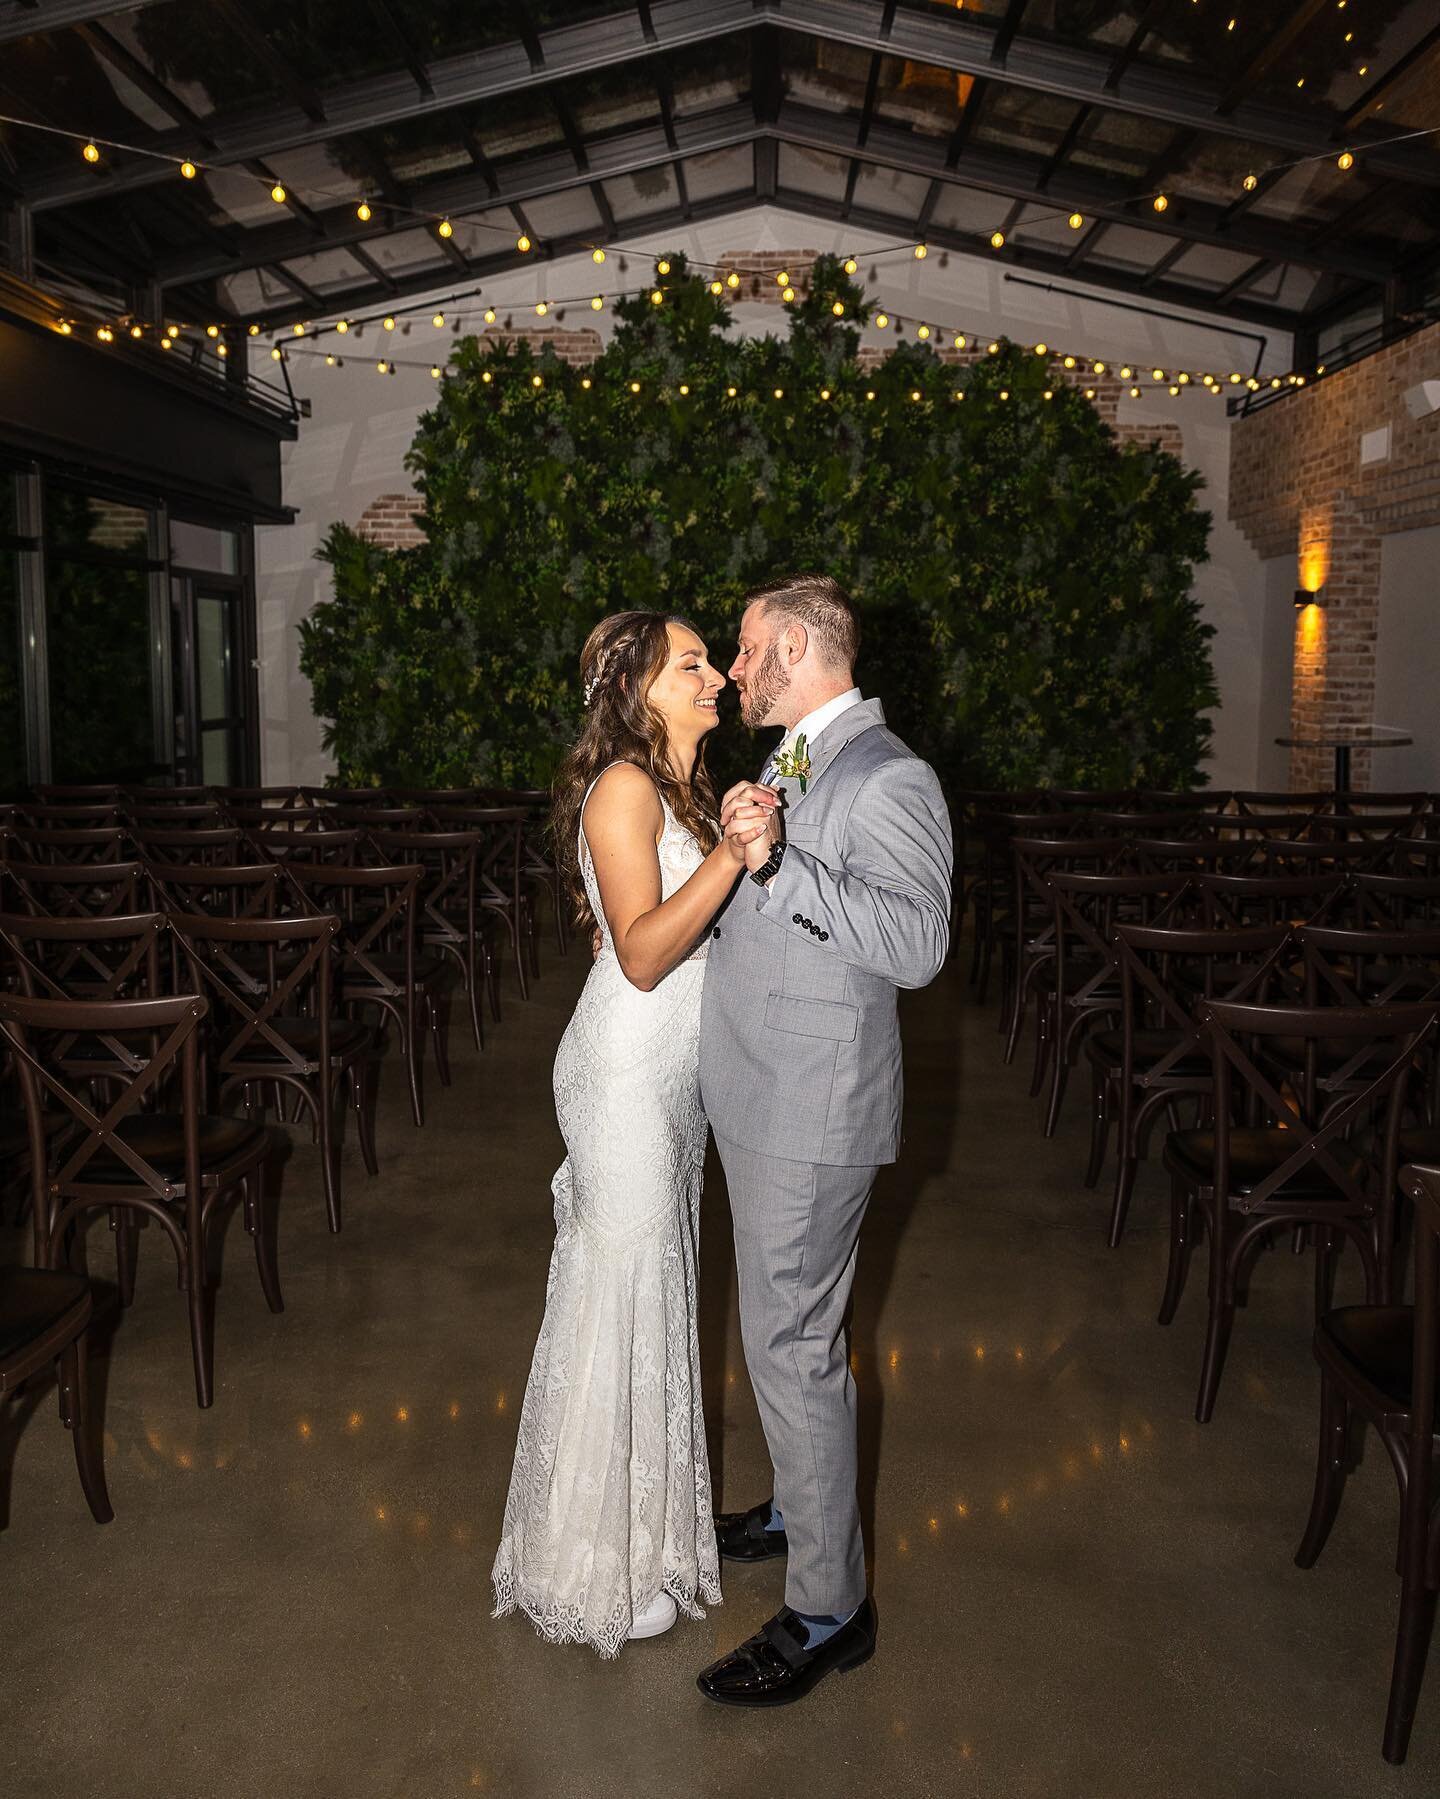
1324, 1269
127, 1251
1125, 1167
362, 1077
1059, 1075
1044, 1045
437, 1006
1218, 1326
1099, 1125
76, 1416
472, 994
261, 1222
1330, 1471
1182, 1227
200, 1303
1412, 1646
329, 1147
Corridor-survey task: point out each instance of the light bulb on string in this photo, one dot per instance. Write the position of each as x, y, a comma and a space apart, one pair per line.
585, 381
597, 304
342, 326
779, 393
922, 331
921, 252
1234, 380
445, 228
960, 340
732, 391
1049, 394
276, 353
869, 393
882, 319
137, 331
1134, 393
662, 267
254, 331
1126, 372
1157, 374
1098, 367
634, 387
91, 152
541, 308
64, 327
298, 329
382, 367
787, 295
717, 287
850, 265
1004, 393
222, 351
1042, 349
1345, 160
1250, 183
597, 255
434, 371
783, 278
536, 381
656, 297
1076, 220
997, 240
732, 279
915, 393
388, 322
522, 243
277, 193
438, 321
684, 387
486, 376
330, 362
166, 343
1183, 379
1173, 389
1069, 362
1161, 202
188, 169
994, 349
824, 393
838, 308
362, 212
489, 315
1089, 393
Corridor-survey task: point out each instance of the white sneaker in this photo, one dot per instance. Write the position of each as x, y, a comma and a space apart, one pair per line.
654, 1619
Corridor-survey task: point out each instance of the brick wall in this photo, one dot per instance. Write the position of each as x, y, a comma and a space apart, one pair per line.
391, 521
1298, 488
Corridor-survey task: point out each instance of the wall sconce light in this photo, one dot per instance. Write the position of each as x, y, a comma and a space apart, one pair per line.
1305, 597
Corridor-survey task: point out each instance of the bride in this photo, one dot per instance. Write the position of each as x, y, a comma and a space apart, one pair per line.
608, 1525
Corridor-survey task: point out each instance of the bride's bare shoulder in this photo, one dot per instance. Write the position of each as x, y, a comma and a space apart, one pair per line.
624, 796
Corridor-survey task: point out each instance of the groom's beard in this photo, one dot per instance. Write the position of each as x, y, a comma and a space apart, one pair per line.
765, 688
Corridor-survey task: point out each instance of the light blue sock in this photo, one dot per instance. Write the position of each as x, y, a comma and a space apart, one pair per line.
819, 1629
774, 1521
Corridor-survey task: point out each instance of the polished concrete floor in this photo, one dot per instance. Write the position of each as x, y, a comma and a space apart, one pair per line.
1082, 1593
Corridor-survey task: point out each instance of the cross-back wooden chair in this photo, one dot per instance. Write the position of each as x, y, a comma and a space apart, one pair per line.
1313, 1164
1158, 1057
247, 890
273, 1025
45, 1316
500, 876
1390, 902
72, 844
210, 845
1029, 946
174, 1168
1229, 900
74, 818
66, 793
69, 890
450, 921
1380, 1364
380, 965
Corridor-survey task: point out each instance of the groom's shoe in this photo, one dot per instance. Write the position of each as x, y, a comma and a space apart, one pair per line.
774, 1667
743, 1536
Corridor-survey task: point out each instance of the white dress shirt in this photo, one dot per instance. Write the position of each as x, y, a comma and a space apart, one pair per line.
812, 725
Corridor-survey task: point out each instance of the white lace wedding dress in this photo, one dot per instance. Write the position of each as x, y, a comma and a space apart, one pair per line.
609, 1499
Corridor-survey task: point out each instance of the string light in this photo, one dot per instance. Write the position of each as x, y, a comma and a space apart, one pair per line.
91, 152
634, 387
882, 319
65, 327
662, 267
536, 381
597, 255
1099, 367
915, 393
445, 228
1161, 202
486, 376
330, 362
1157, 374
1345, 160
997, 240
1069, 362
541, 308
1250, 183
382, 367
221, 351
212, 331
960, 340
824, 393
684, 387
1049, 394
597, 304
783, 278
489, 315
656, 297
787, 295
188, 169
732, 279
585, 381
342, 326
732, 391
1042, 349
254, 331
276, 353
388, 322
438, 320
717, 287
922, 332
921, 252
166, 343
362, 212
137, 331
838, 308
850, 265
522, 243
277, 194
1076, 220
779, 393
435, 371
298, 329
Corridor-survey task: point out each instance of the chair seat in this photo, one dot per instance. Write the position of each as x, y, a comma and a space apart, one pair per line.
1255, 1154
1106, 1047
1417, 980
1378, 1343
160, 1138
1331, 1053
1078, 971
32, 1302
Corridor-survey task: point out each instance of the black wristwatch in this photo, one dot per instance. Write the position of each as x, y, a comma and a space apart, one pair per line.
770, 867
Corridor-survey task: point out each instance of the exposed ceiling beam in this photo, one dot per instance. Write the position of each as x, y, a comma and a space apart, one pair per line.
102, 44
55, 15
260, 47
1270, 53
1377, 90
1062, 150
378, 274
1047, 262
389, 17
1133, 45
1246, 279
1076, 72
1005, 34
1003, 174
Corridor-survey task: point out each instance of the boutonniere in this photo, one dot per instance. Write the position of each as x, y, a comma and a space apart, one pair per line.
794, 764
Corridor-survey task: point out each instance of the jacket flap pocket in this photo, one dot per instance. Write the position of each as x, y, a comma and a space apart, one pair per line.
812, 1017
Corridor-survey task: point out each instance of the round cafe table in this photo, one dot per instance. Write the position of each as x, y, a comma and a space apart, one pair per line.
1377, 737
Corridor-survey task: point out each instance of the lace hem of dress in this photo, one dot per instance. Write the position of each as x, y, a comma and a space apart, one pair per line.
565, 1623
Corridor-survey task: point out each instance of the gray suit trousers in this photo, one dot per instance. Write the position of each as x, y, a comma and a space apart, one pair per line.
796, 1229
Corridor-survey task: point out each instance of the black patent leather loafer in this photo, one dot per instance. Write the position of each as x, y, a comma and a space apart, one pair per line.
742, 1536
775, 1668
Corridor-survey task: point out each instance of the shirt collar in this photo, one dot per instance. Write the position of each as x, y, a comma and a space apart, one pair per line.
815, 722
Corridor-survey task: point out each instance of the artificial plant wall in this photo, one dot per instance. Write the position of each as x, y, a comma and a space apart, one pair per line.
1024, 580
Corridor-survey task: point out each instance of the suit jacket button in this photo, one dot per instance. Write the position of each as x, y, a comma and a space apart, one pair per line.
797, 919
824, 936
716, 931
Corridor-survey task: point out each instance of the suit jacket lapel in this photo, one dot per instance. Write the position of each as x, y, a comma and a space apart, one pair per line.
862, 716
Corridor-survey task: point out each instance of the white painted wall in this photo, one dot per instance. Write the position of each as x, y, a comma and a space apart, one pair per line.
1407, 659
352, 449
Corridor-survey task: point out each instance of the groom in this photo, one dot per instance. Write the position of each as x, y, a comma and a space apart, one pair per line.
846, 899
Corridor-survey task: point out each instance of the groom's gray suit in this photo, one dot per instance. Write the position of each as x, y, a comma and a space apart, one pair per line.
800, 1076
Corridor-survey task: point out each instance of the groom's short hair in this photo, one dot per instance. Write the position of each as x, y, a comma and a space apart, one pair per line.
822, 606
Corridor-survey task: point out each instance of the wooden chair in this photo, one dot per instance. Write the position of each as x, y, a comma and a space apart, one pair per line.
212, 846
45, 1317
1381, 1364
172, 1167
1310, 1165
379, 962
450, 921
249, 890
77, 846
68, 890
1157, 1057
273, 1025
501, 878
102, 793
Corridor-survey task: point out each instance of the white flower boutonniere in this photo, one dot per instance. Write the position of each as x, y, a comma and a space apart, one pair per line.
794, 764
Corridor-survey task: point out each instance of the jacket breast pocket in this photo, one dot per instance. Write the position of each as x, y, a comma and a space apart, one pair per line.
801, 831
831, 1019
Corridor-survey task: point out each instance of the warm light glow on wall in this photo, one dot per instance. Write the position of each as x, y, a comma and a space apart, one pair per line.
1314, 563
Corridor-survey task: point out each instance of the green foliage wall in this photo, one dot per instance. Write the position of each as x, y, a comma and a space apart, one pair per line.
1024, 580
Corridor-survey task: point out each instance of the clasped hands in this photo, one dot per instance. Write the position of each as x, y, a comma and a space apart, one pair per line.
750, 822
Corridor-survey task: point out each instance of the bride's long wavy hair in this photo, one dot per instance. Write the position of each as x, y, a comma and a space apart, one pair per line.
619, 664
